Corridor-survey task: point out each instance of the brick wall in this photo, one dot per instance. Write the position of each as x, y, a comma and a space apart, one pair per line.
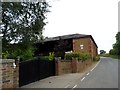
71, 66
82, 65
89, 46
63, 66
10, 74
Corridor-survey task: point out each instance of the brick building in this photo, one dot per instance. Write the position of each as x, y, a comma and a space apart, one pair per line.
76, 42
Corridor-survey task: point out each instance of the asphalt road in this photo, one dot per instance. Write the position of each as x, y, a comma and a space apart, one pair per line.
103, 75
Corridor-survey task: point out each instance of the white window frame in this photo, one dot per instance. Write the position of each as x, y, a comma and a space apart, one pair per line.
81, 46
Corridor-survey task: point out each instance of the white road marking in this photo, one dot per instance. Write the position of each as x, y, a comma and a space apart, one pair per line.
82, 78
88, 74
67, 86
95, 66
75, 86
92, 69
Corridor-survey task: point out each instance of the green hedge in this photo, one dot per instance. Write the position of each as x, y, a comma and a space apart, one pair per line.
50, 57
69, 56
97, 58
78, 55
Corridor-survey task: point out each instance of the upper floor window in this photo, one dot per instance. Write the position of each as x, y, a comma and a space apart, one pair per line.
81, 46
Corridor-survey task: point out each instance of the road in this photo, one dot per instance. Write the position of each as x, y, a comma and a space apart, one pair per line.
103, 75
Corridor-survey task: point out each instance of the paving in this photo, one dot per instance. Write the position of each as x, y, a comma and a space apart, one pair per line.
61, 81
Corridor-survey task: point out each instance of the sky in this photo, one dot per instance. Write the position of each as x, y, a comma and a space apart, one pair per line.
98, 18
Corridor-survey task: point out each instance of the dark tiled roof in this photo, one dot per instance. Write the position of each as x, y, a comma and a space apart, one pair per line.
71, 36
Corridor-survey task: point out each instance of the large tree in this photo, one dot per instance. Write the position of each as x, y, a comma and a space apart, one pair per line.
116, 46
22, 23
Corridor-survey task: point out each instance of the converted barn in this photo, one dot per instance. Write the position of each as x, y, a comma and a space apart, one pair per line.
70, 43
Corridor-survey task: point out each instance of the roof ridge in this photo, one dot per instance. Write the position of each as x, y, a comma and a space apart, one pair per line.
68, 35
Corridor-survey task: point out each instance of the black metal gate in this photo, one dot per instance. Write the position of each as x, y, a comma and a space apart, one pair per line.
34, 70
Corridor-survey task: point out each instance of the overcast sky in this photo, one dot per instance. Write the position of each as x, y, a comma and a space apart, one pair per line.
98, 18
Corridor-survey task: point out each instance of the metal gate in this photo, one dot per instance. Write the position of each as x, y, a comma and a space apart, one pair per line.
34, 70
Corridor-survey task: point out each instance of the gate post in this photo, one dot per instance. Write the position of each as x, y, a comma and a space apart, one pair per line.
57, 66
10, 74
74, 65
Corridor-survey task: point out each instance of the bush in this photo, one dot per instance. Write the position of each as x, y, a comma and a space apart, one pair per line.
24, 53
44, 57
96, 58
51, 56
85, 57
69, 56
77, 55
5, 55
105, 55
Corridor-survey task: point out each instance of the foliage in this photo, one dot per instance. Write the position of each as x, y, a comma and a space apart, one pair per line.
51, 56
22, 23
69, 56
112, 56
115, 56
44, 57
96, 58
116, 46
102, 52
79, 56
60, 48
5, 55
105, 55
85, 57
24, 53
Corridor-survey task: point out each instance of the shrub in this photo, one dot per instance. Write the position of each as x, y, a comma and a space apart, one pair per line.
69, 56
44, 57
96, 58
51, 56
78, 55
85, 57
5, 55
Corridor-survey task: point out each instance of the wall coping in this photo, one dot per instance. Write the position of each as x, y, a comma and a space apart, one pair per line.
6, 61
65, 60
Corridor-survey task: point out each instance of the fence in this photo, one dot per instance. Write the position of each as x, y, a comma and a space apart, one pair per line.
34, 70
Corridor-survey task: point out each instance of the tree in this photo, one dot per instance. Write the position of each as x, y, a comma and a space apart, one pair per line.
116, 46
102, 52
112, 52
22, 23
60, 48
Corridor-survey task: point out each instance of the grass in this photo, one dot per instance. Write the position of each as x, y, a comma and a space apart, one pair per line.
112, 56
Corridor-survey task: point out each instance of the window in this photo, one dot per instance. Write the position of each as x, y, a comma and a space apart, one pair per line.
81, 46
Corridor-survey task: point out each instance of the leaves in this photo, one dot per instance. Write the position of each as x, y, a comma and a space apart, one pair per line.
23, 20
23, 23
116, 46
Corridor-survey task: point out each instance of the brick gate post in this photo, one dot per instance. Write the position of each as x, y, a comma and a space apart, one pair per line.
10, 74
74, 65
